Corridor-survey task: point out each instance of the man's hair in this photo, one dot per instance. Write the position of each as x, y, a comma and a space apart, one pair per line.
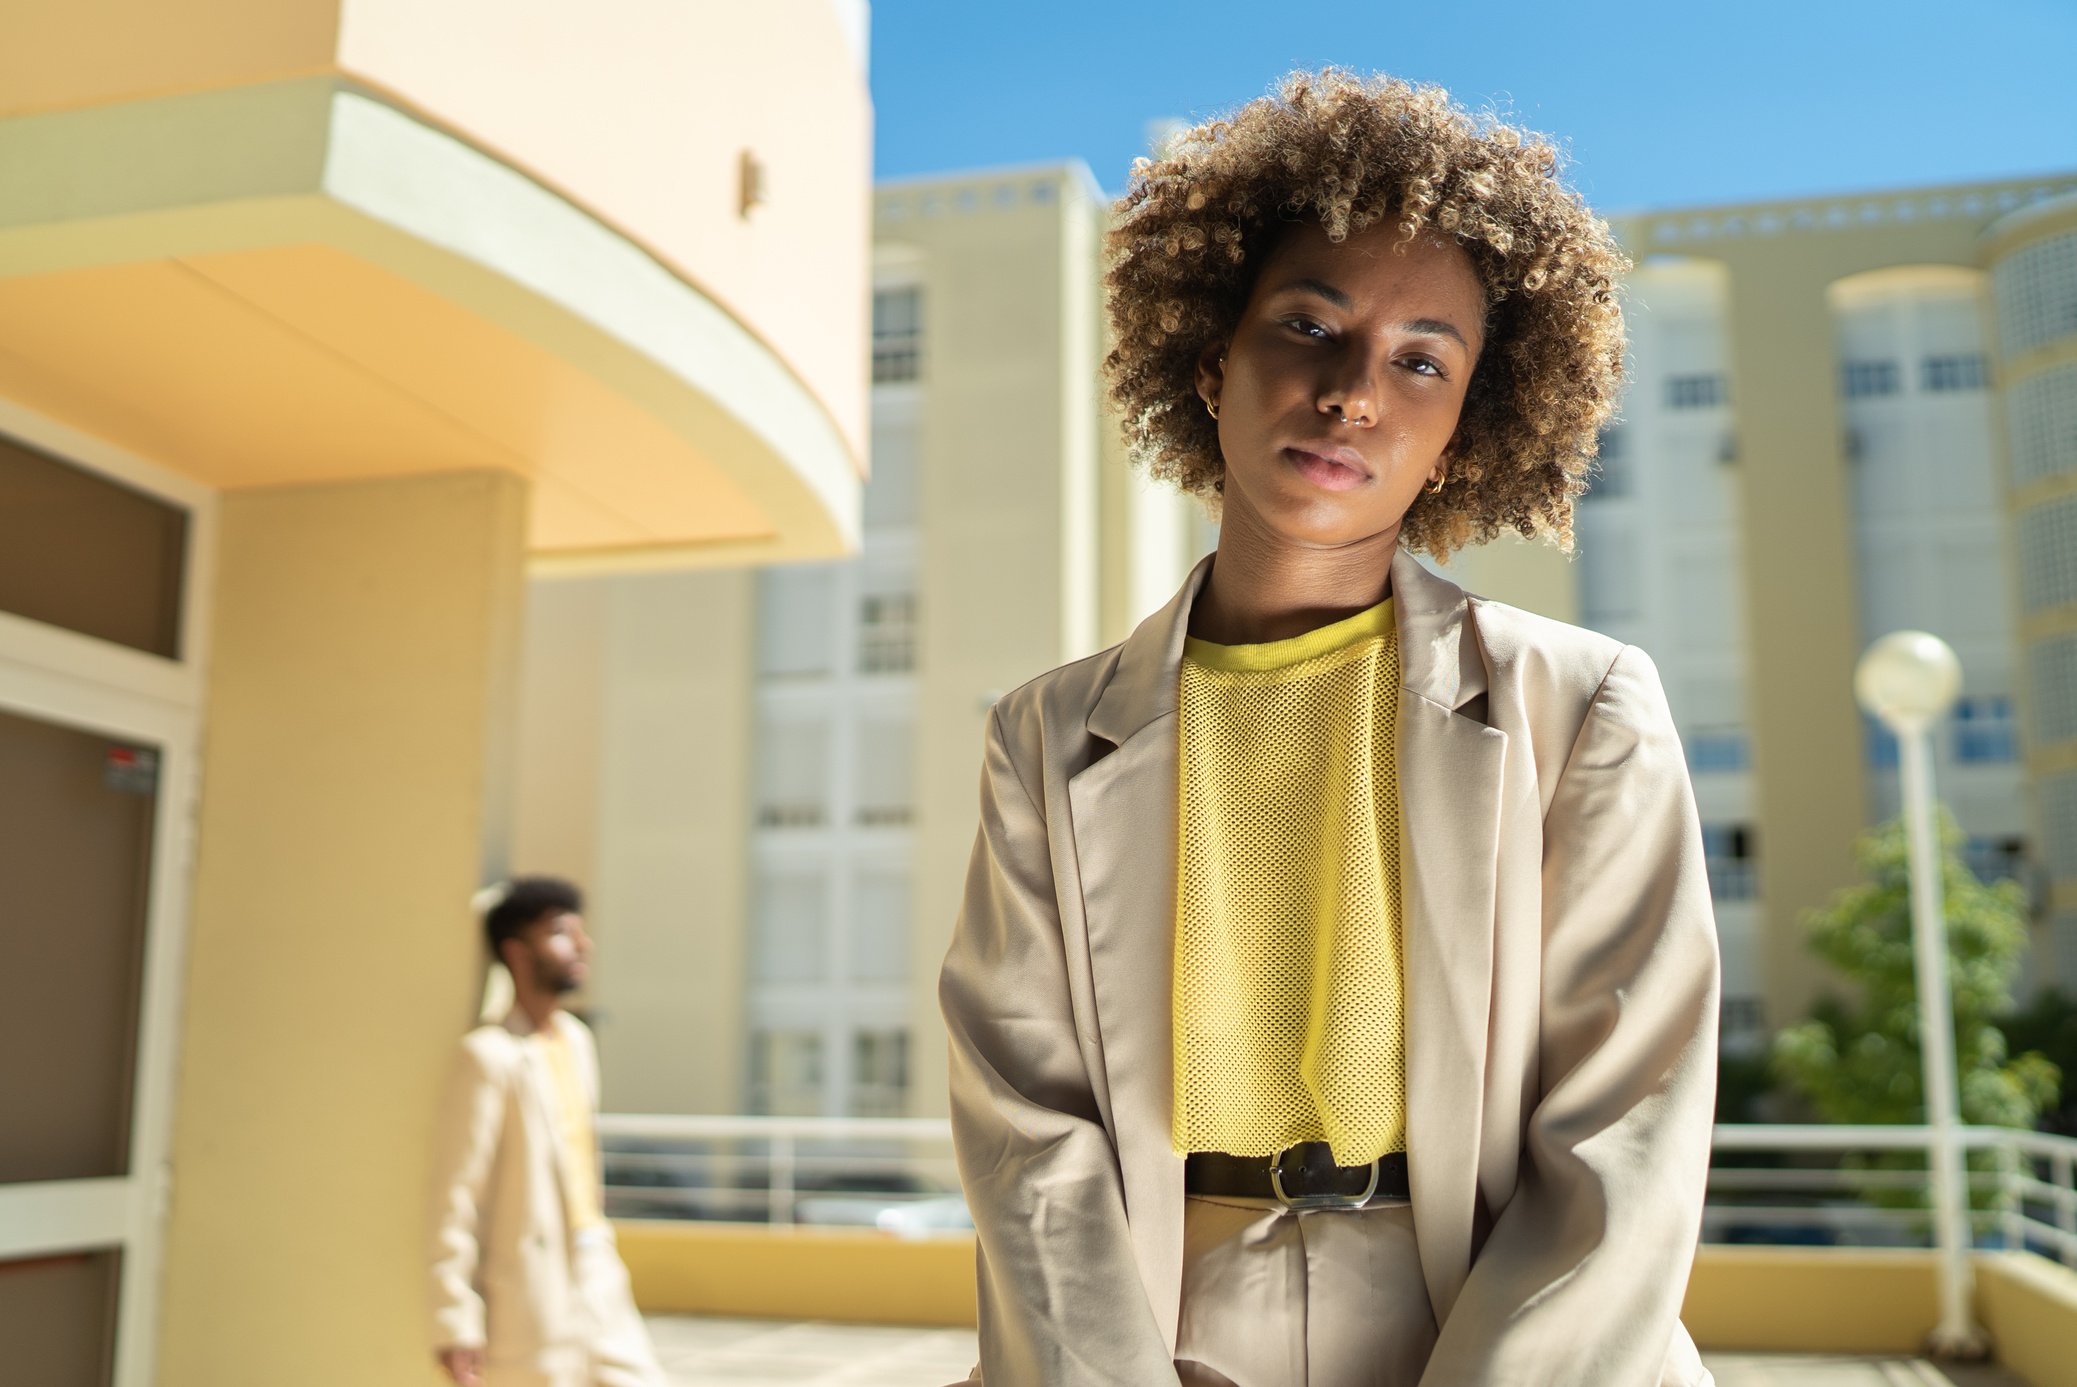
1346, 152
523, 901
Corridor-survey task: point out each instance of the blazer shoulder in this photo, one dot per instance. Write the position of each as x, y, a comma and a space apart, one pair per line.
1039, 710
1548, 656
489, 1048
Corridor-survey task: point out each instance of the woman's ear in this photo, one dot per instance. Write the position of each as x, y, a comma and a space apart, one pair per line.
1211, 375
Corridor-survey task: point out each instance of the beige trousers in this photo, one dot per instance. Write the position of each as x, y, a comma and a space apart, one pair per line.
615, 1349
1327, 1298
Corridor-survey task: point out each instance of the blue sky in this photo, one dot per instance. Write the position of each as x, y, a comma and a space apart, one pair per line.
1659, 104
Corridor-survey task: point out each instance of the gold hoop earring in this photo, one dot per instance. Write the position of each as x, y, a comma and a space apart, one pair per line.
1211, 407
1434, 488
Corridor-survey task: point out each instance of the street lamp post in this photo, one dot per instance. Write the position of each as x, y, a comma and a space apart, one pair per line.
1908, 680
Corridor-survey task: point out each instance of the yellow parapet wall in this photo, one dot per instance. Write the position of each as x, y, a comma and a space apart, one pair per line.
1779, 1299
2029, 1305
854, 1275
1812, 1299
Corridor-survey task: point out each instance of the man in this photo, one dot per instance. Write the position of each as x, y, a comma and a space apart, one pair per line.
528, 1289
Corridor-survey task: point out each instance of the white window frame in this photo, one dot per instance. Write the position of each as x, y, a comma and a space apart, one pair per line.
71, 680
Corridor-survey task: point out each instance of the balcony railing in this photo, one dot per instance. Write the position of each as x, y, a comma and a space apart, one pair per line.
1856, 1186
1869, 1186
896, 1173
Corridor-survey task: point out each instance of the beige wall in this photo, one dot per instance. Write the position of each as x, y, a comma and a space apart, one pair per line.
641, 111
638, 110
362, 664
1534, 575
633, 772
60, 56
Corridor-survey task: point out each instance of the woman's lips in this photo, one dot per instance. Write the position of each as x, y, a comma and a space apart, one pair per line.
1325, 472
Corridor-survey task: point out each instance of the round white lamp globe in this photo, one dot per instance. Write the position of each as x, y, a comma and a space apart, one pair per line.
1907, 679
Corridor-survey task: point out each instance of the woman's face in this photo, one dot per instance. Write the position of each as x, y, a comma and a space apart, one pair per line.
1340, 389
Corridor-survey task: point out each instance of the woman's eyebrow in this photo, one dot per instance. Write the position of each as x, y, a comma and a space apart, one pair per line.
1320, 288
1434, 327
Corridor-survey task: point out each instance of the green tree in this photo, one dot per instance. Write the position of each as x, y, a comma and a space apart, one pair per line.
1858, 1062
2049, 1024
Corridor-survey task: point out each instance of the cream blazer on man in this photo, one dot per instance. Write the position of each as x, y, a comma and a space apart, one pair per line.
1561, 994
505, 1275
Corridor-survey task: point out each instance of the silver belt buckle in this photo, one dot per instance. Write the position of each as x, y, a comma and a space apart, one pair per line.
1303, 1202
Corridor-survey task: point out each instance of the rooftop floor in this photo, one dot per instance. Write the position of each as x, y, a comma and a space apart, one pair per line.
757, 1353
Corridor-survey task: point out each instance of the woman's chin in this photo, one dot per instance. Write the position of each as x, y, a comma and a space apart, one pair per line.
1327, 526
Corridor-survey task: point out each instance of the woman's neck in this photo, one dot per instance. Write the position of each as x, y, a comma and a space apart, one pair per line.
1263, 588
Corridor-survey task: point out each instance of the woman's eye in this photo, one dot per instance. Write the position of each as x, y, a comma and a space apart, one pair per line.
1306, 326
1424, 366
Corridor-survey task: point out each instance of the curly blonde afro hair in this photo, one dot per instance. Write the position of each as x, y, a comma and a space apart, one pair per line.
1194, 227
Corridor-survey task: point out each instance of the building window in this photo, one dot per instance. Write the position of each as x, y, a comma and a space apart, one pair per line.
1719, 749
1996, 859
1878, 744
86, 554
1741, 1016
1610, 580
887, 633
2048, 554
1727, 850
879, 1073
880, 925
885, 753
2055, 689
1984, 730
789, 942
1697, 392
1611, 468
795, 611
785, 1073
1963, 372
897, 335
792, 773
1864, 379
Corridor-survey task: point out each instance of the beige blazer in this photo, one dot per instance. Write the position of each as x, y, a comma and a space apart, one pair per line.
1561, 988
504, 1276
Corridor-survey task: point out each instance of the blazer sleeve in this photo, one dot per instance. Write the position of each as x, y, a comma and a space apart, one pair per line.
470, 1121
1061, 1302
1580, 1281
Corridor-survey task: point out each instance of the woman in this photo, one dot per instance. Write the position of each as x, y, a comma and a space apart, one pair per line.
1334, 997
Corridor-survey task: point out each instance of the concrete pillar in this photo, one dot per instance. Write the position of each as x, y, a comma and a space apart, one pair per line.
1798, 566
673, 825
360, 692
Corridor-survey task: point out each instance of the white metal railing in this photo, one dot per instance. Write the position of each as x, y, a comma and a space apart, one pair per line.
1767, 1183
2020, 1185
896, 1173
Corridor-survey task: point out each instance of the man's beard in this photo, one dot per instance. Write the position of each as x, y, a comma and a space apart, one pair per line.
550, 978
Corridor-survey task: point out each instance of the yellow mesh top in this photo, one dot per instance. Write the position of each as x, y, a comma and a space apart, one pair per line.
1288, 1019
574, 1128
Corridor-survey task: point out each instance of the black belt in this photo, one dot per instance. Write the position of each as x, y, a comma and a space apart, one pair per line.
1299, 1177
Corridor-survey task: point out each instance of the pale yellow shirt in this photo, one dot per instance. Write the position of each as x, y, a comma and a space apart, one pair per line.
1289, 1024
574, 1130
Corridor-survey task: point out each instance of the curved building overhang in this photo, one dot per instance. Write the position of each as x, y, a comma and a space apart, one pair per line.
303, 281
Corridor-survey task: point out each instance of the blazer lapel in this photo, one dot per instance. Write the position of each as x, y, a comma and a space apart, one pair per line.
540, 1096
1450, 782
1123, 810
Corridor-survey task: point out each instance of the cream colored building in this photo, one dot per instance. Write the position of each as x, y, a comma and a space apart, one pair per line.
320, 322
1848, 416
1845, 416
769, 782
